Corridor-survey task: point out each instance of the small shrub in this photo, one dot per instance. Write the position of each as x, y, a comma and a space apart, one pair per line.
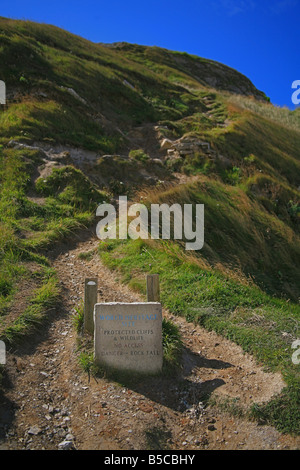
139, 155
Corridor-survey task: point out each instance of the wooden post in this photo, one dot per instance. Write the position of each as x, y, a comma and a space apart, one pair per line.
153, 292
90, 299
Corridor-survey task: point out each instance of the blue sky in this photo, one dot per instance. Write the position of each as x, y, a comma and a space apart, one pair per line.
260, 39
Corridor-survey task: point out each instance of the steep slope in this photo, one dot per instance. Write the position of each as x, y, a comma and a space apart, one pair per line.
189, 70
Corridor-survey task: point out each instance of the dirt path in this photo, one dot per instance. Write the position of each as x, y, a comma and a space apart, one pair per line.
50, 403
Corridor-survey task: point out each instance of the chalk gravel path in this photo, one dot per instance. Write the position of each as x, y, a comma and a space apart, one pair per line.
51, 404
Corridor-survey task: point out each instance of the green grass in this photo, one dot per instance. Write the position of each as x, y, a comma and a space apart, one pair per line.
241, 234
139, 155
28, 228
78, 317
262, 325
171, 341
157, 438
244, 283
282, 410
284, 116
125, 176
44, 298
172, 346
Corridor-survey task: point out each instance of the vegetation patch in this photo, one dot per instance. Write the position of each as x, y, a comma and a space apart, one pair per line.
244, 283
44, 298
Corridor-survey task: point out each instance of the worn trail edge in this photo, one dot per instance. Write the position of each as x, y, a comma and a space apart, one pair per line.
50, 403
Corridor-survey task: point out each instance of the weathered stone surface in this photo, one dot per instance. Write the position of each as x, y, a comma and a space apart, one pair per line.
166, 144
128, 336
65, 445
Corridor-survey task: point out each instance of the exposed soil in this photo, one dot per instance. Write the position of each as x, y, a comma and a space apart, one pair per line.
50, 403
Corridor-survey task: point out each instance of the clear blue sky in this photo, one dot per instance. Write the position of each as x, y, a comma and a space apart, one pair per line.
260, 39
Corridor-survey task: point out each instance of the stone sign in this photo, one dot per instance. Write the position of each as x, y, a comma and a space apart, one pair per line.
128, 336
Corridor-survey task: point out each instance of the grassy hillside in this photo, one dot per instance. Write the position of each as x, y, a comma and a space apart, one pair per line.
116, 103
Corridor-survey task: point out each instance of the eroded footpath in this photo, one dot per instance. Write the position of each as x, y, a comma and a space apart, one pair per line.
51, 403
